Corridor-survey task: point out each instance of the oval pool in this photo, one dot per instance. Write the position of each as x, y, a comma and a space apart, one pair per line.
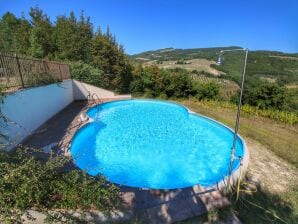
154, 144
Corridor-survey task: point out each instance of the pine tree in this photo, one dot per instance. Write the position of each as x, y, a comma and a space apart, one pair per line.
109, 57
73, 38
41, 38
8, 25
22, 36
64, 33
14, 34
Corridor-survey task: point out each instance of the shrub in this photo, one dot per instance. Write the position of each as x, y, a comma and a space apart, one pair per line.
163, 96
207, 91
86, 73
155, 82
266, 95
26, 183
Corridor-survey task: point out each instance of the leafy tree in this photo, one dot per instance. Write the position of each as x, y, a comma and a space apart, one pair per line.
265, 95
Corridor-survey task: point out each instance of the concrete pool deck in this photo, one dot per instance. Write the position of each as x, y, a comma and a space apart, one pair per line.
150, 206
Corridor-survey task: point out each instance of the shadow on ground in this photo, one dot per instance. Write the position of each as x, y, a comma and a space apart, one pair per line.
169, 206
255, 205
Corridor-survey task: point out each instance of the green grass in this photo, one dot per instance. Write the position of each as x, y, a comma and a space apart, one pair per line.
264, 205
280, 138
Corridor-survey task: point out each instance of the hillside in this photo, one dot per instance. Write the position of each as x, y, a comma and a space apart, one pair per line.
277, 66
198, 64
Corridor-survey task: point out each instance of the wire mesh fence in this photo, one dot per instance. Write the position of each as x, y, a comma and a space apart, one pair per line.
20, 72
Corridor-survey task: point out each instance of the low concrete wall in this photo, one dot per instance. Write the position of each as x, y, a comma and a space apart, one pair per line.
29, 108
81, 91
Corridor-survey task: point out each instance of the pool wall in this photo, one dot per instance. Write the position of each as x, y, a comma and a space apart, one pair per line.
237, 174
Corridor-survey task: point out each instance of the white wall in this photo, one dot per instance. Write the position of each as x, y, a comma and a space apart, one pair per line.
30, 108
81, 91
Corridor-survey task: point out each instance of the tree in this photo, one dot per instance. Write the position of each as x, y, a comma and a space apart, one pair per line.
266, 95
64, 36
7, 31
162, 82
73, 38
83, 39
41, 38
109, 57
68, 39
14, 33
22, 36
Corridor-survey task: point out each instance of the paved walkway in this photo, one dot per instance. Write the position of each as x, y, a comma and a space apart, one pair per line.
150, 206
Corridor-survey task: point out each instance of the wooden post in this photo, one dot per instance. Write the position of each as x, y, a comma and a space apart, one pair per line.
19, 69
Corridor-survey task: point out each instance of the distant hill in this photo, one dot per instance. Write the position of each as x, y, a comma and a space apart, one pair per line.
178, 54
269, 65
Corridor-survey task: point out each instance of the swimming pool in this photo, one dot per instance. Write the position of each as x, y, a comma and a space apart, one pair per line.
154, 144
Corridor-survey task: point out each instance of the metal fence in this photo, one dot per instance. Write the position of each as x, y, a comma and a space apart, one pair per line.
20, 72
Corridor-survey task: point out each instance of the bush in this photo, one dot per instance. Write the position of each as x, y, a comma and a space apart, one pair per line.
86, 73
154, 82
26, 183
207, 91
163, 96
266, 95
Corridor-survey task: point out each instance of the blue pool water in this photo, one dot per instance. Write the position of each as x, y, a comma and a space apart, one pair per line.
153, 144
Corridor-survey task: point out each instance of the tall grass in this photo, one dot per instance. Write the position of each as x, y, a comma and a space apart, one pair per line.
286, 117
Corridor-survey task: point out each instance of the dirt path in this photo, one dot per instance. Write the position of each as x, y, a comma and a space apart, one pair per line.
273, 173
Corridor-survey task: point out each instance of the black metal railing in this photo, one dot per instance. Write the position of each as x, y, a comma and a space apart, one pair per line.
20, 72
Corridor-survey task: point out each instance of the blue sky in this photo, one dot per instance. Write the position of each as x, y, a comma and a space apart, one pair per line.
142, 25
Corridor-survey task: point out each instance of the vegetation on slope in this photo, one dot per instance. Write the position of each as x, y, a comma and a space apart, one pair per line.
168, 54
67, 39
280, 66
170, 83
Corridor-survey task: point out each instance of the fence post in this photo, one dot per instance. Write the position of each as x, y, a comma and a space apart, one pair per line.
44, 66
20, 72
60, 72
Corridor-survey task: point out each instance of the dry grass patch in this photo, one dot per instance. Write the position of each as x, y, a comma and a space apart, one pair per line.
198, 64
